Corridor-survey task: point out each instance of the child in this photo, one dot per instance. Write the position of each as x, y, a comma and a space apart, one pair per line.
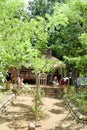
20, 81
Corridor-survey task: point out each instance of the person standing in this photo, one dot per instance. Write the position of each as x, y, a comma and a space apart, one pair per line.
55, 84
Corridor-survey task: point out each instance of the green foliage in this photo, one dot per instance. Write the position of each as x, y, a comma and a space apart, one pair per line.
10, 34
64, 29
9, 91
40, 8
68, 40
8, 11
39, 37
84, 40
17, 37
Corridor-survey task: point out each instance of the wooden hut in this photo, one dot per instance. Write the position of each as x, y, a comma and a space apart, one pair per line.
29, 76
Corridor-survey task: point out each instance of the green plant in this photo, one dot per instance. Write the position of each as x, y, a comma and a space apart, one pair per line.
71, 93
79, 99
39, 105
27, 87
9, 91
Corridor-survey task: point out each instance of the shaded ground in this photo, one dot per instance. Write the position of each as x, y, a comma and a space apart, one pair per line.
19, 115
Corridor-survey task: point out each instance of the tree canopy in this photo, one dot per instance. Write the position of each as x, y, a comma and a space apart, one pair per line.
60, 25
22, 40
66, 27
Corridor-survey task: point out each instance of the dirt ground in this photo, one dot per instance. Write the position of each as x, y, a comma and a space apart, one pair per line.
18, 116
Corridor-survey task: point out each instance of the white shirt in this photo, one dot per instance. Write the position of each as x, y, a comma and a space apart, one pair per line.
55, 84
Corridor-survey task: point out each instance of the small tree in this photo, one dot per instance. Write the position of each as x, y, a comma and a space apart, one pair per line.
40, 65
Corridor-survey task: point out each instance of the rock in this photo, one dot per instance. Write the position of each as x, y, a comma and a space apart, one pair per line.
31, 126
82, 117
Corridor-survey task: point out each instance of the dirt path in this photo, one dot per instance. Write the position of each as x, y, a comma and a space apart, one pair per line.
19, 115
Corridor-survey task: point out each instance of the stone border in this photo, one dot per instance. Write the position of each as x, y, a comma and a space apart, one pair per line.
79, 117
7, 103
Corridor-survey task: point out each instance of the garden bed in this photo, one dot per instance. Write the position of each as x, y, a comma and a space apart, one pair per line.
77, 114
76, 102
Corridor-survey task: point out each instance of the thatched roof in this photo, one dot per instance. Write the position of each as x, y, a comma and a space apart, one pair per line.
56, 62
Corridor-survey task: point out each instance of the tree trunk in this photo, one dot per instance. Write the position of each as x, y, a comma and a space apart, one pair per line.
36, 97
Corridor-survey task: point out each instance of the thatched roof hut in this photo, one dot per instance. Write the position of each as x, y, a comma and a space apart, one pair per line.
56, 61
28, 74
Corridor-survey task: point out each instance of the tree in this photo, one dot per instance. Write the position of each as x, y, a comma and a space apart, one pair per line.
39, 38
41, 7
9, 22
67, 25
79, 49
16, 36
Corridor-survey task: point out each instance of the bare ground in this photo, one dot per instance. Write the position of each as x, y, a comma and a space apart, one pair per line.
19, 115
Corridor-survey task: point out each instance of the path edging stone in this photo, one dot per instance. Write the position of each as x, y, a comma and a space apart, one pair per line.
6, 103
79, 117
